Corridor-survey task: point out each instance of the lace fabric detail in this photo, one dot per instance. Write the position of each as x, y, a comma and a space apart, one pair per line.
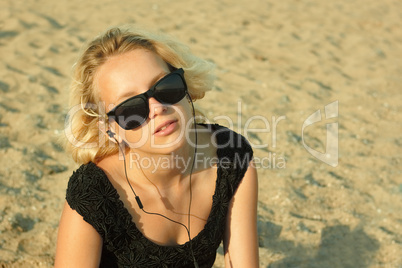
93, 196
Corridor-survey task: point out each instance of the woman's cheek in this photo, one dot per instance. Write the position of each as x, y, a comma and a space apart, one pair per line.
136, 138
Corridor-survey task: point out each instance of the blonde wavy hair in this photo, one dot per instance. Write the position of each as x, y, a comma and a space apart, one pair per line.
85, 141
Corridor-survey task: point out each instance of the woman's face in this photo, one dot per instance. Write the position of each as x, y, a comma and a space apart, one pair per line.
124, 76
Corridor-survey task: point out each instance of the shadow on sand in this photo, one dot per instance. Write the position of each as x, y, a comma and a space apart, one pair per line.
339, 247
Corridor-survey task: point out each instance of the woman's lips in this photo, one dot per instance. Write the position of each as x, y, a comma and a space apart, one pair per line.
165, 128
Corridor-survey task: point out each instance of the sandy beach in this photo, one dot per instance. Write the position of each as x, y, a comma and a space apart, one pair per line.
277, 64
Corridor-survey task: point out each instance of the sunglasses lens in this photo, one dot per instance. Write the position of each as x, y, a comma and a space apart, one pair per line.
132, 114
170, 89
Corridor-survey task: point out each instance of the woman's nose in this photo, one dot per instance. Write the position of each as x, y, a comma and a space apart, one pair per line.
155, 108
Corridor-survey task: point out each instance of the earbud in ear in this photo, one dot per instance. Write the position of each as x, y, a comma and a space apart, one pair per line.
110, 133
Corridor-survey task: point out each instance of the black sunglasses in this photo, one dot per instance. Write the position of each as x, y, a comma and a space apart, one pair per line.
134, 111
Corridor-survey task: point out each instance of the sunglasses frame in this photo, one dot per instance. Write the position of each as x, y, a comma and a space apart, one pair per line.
146, 95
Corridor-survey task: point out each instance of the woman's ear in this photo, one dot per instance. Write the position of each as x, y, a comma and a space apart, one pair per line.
110, 134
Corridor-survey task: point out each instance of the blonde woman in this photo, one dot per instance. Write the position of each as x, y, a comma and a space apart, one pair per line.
155, 188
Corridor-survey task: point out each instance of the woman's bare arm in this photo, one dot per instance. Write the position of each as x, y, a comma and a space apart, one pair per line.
78, 243
241, 240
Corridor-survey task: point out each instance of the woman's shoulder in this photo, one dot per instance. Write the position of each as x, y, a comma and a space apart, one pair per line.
85, 172
87, 178
91, 195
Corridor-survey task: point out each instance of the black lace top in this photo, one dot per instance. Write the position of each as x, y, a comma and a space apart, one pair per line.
93, 196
